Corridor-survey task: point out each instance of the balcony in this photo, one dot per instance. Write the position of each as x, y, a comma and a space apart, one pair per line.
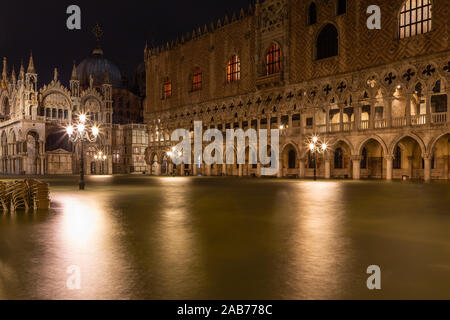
364, 124
269, 80
440, 117
419, 120
380, 124
399, 122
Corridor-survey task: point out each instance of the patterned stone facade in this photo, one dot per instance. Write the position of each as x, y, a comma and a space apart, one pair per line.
381, 103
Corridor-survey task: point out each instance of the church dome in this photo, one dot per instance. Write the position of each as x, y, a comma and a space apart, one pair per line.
97, 65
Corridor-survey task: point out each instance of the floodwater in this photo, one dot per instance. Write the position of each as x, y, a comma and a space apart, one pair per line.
137, 237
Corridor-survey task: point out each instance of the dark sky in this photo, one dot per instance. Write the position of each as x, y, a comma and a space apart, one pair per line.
41, 26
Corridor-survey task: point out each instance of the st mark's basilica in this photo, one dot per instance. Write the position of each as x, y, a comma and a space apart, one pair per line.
34, 119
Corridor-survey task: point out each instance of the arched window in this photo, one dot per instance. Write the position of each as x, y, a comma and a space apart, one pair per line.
341, 7
292, 161
364, 159
327, 42
312, 14
338, 159
397, 163
415, 18
273, 60
167, 88
233, 69
197, 79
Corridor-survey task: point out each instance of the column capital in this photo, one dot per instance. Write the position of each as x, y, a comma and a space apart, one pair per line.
389, 157
356, 158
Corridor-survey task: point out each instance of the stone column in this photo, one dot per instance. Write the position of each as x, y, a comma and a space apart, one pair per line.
341, 118
427, 169
195, 169
208, 169
446, 161
372, 116
357, 109
258, 169
280, 167
356, 161
389, 112
258, 124
301, 169
389, 167
290, 121
448, 105
408, 110
428, 108
240, 170
327, 168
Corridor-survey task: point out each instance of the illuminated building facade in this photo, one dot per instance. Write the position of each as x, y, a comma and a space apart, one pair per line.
379, 97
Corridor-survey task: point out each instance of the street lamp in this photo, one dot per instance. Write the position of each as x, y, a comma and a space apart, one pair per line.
316, 146
82, 132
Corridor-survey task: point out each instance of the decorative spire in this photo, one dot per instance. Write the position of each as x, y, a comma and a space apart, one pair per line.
31, 68
98, 34
74, 72
13, 75
5, 69
106, 81
21, 71
55, 74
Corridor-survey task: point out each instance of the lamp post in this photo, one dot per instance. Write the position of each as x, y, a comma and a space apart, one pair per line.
101, 157
82, 132
316, 146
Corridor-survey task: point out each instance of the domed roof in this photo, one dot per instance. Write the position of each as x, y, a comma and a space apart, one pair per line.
97, 65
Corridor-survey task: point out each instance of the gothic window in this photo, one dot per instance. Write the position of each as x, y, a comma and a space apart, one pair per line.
292, 156
197, 79
338, 159
312, 14
364, 159
327, 42
233, 69
273, 60
415, 18
341, 7
167, 88
397, 158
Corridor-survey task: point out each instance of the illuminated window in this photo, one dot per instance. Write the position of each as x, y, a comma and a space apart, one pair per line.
273, 60
167, 90
415, 18
233, 69
197, 79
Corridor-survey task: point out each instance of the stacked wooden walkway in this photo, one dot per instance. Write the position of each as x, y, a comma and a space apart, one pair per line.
24, 194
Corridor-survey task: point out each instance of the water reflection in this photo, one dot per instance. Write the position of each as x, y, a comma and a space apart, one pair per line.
194, 238
320, 245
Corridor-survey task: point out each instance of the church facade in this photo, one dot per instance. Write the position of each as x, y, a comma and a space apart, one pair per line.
33, 121
380, 98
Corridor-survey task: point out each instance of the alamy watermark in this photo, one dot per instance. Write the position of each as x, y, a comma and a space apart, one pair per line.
241, 147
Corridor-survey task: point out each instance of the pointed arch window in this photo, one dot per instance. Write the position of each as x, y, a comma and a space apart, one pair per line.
312, 14
273, 59
415, 18
167, 88
341, 7
197, 79
233, 69
327, 42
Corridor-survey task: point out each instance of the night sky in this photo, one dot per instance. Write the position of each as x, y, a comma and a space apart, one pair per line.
41, 26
